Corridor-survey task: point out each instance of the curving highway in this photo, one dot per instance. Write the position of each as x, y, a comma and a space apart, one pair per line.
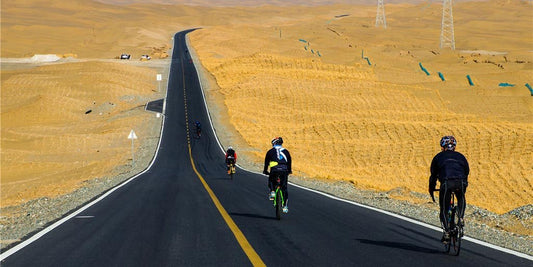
184, 211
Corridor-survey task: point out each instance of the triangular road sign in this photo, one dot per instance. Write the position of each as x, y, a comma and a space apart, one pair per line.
132, 135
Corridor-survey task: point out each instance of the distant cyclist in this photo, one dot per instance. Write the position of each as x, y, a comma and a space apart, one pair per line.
231, 158
279, 161
451, 169
198, 128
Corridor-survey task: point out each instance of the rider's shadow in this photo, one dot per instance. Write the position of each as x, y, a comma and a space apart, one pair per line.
400, 245
249, 215
221, 178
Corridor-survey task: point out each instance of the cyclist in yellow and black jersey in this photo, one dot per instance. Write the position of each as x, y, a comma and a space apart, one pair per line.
278, 159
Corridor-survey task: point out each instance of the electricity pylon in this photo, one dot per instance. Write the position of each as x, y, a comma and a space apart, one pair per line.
447, 38
380, 16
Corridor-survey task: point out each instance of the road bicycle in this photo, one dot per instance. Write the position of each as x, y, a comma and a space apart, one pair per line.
278, 198
456, 232
198, 132
231, 170
453, 246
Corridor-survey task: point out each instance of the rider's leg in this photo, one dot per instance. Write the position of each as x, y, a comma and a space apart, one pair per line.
283, 180
271, 182
461, 201
444, 204
271, 185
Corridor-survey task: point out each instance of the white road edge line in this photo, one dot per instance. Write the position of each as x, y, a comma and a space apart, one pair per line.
473, 240
84, 217
41, 233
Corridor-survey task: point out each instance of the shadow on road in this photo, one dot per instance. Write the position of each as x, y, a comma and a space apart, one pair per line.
400, 245
435, 239
253, 216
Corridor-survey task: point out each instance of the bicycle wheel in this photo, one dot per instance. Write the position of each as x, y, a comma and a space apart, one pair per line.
231, 172
455, 239
451, 226
459, 238
447, 246
456, 243
278, 200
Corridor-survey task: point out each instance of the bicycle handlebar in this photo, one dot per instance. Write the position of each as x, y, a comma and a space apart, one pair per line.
432, 197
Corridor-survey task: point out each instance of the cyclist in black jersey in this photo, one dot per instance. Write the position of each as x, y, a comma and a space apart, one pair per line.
451, 169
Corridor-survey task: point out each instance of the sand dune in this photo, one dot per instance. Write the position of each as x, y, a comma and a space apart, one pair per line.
376, 125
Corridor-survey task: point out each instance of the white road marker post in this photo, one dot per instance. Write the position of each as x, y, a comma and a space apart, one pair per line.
132, 136
159, 78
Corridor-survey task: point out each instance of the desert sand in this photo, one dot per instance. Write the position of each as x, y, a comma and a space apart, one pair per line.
378, 125
294, 71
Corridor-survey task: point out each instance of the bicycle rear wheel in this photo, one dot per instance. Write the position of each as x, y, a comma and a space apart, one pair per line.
456, 244
451, 225
447, 246
279, 200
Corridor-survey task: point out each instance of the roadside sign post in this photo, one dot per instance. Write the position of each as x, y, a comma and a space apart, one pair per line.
159, 78
132, 136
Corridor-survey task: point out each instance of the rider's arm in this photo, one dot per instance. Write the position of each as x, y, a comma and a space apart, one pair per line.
434, 174
267, 161
289, 161
467, 168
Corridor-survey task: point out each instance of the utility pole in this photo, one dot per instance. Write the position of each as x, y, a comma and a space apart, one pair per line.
447, 38
380, 16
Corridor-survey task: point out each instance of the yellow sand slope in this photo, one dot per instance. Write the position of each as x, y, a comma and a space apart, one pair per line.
68, 123
379, 125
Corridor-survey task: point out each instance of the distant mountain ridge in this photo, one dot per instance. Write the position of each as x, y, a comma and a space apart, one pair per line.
221, 3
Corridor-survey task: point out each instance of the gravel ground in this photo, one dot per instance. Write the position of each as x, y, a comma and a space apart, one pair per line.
20, 222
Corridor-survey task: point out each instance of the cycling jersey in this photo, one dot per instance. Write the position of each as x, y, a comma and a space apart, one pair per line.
231, 156
278, 159
448, 165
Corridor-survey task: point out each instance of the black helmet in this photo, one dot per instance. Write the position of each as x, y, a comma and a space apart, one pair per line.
277, 141
448, 142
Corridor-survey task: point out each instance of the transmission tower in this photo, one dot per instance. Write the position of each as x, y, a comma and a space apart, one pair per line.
380, 16
447, 38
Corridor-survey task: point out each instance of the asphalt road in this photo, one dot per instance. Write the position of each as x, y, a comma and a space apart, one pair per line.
185, 211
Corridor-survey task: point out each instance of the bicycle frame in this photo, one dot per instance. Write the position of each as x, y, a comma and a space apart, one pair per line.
231, 170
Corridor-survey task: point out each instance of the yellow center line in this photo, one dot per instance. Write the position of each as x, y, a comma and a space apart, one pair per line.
245, 245
241, 239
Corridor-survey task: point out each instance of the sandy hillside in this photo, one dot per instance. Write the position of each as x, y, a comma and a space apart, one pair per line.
292, 71
378, 125
67, 123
